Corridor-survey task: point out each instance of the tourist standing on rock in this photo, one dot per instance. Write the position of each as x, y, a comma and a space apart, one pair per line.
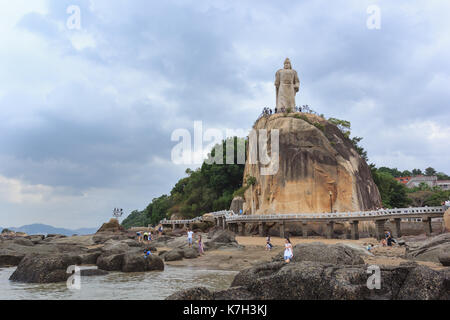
189, 234
160, 230
139, 236
288, 254
145, 236
200, 245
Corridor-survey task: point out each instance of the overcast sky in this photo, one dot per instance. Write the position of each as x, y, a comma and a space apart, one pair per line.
87, 114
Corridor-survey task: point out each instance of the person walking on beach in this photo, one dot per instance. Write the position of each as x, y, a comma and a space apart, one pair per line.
200, 246
288, 254
269, 245
189, 234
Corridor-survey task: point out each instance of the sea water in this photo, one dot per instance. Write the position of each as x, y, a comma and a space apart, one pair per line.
118, 285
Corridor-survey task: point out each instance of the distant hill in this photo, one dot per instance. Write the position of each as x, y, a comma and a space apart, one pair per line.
46, 229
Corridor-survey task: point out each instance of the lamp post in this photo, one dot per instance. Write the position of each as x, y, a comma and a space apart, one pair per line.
331, 201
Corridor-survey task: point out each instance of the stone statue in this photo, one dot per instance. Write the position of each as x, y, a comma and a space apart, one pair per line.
287, 85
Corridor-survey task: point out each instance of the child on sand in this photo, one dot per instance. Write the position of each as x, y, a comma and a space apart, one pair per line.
288, 255
269, 245
200, 245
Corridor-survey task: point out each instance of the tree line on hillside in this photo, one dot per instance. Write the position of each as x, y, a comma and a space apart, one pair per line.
209, 188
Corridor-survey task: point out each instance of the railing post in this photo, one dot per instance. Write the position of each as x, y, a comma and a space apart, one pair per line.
380, 229
282, 228
398, 231
224, 223
304, 230
330, 229
261, 228
354, 229
427, 226
241, 228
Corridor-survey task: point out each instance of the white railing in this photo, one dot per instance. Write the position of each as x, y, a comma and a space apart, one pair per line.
230, 216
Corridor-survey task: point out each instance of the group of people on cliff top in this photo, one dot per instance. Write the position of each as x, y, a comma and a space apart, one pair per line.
268, 111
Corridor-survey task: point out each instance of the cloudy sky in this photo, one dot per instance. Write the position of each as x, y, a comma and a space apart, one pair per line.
86, 115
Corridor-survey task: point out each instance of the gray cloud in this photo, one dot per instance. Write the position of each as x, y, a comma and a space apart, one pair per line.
88, 114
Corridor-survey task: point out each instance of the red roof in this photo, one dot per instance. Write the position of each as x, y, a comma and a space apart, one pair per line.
403, 180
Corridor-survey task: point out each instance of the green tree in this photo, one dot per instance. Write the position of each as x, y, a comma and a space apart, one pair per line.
430, 171
393, 194
417, 172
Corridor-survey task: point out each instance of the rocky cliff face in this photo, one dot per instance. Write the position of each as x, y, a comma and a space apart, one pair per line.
314, 158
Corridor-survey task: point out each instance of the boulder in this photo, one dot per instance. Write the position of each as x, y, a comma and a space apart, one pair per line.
113, 246
10, 258
199, 293
319, 252
444, 258
89, 258
237, 204
190, 253
430, 249
140, 263
111, 262
308, 280
221, 239
112, 226
174, 255
44, 268
24, 242
314, 158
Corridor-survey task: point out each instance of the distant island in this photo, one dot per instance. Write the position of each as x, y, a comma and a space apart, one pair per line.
44, 229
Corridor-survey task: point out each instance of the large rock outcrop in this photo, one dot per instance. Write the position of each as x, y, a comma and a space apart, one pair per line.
44, 268
309, 280
314, 158
432, 249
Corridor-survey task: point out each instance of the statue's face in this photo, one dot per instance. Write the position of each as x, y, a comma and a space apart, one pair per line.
287, 65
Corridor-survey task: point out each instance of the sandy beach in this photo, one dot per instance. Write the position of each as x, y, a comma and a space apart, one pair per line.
254, 252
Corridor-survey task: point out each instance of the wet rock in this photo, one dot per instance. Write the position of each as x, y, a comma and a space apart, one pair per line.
140, 263
93, 272
200, 293
111, 262
308, 280
44, 268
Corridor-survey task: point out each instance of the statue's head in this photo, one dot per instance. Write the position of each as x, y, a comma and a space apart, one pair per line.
287, 64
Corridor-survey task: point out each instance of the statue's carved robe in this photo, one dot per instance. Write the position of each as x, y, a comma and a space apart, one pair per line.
287, 84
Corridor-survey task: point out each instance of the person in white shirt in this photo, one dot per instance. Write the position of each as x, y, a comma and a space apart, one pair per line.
190, 234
